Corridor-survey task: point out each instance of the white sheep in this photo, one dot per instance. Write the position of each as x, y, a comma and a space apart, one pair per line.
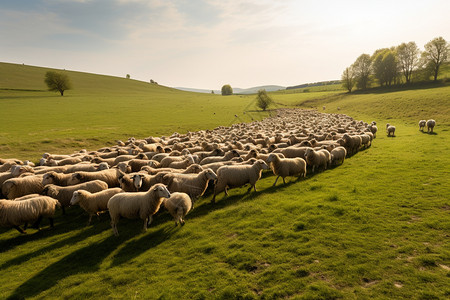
211, 159
178, 205
137, 205
15, 213
64, 193
317, 159
422, 124
60, 179
338, 155
142, 182
238, 175
110, 176
430, 125
21, 186
93, 203
286, 166
390, 129
192, 184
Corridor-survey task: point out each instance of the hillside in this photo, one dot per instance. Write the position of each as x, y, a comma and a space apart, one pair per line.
376, 227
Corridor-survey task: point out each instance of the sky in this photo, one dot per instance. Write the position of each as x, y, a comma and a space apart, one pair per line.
208, 43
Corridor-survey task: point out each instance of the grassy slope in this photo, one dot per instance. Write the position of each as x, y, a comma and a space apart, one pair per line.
99, 110
376, 227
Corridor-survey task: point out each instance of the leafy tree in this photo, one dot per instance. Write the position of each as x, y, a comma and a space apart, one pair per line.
128, 76
212, 92
408, 58
227, 90
263, 100
436, 52
348, 81
58, 82
384, 65
361, 70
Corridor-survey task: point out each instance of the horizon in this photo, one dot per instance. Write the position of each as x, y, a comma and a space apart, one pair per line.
208, 43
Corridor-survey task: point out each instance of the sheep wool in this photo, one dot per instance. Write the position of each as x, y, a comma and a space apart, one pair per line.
286, 166
178, 205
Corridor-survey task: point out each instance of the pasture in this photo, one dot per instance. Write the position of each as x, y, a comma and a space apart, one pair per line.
376, 227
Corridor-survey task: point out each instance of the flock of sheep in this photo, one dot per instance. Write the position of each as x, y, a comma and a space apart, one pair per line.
133, 179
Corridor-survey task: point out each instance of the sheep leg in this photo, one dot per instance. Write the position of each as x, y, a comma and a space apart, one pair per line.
275, 183
114, 228
150, 219
51, 222
89, 221
36, 224
63, 210
284, 182
25, 226
19, 229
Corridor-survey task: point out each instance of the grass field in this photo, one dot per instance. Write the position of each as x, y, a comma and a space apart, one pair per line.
377, 227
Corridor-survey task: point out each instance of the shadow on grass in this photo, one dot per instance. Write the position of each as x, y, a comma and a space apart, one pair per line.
84, 260
429, 133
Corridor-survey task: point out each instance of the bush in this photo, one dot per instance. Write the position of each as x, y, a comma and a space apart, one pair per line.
227, 90
263, 100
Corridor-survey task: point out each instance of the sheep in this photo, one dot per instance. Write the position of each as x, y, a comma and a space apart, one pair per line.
422, 124
351, 143
15, 213
238, 175
390, 129
143, 182
430, 125
178, 205
64, 193
286, 166
21, 186
15, 171
194, 168
182, 164
316, 159
93, 203
137, 164
60, 179
110, 176
338, 155
292, 151
124, 167
7, 166
228, 156
192, 184
136, 205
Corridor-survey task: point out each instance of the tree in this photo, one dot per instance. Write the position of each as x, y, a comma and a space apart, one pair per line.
384, 65
128, 76
227, 90
263, 100
436, 52
361, 70
348, 81
212, 92
58, 82
408, 58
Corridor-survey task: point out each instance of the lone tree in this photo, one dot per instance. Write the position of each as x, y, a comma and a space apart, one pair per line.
436, 52
263, 100
408, 58
57, 82
227, 90
128, 76
348, 81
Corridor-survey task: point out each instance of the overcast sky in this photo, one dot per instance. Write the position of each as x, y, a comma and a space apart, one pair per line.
208, 43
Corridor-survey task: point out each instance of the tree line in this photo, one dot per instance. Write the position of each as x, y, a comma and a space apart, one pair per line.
397, 65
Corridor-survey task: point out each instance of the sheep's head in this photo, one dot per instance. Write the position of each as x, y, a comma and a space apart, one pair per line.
48, 178
50, 190
103, 166
137, 180
160, 190
262, 164
75, 179
194, 168
75, 197
210, 175
272, 157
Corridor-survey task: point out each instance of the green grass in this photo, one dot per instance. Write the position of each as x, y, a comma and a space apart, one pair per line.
375, 227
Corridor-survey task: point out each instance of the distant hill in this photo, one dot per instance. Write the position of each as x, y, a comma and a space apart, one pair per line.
331, 82
252, 90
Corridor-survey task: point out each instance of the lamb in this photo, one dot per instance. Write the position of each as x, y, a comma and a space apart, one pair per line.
430, 125
60, 179
192, 184
338, 155
15, 213
317, 158
64, 193
238, 175
110, 176
390, 129
21, 186
137, 205
178, 205
93, 203
286, 166
422, 124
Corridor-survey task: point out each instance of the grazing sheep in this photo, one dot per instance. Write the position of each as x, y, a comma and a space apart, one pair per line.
430, 125
189, 160
178, 205
137, 205
137, 164
352, 143
390, 129
110, 176
93, 203
64, 193
192, 184
228, 156
286, 166
142, 182
15, 213
21, 186
14, 171
338, 155
238, 175
60, 179
422, 124
316, 159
